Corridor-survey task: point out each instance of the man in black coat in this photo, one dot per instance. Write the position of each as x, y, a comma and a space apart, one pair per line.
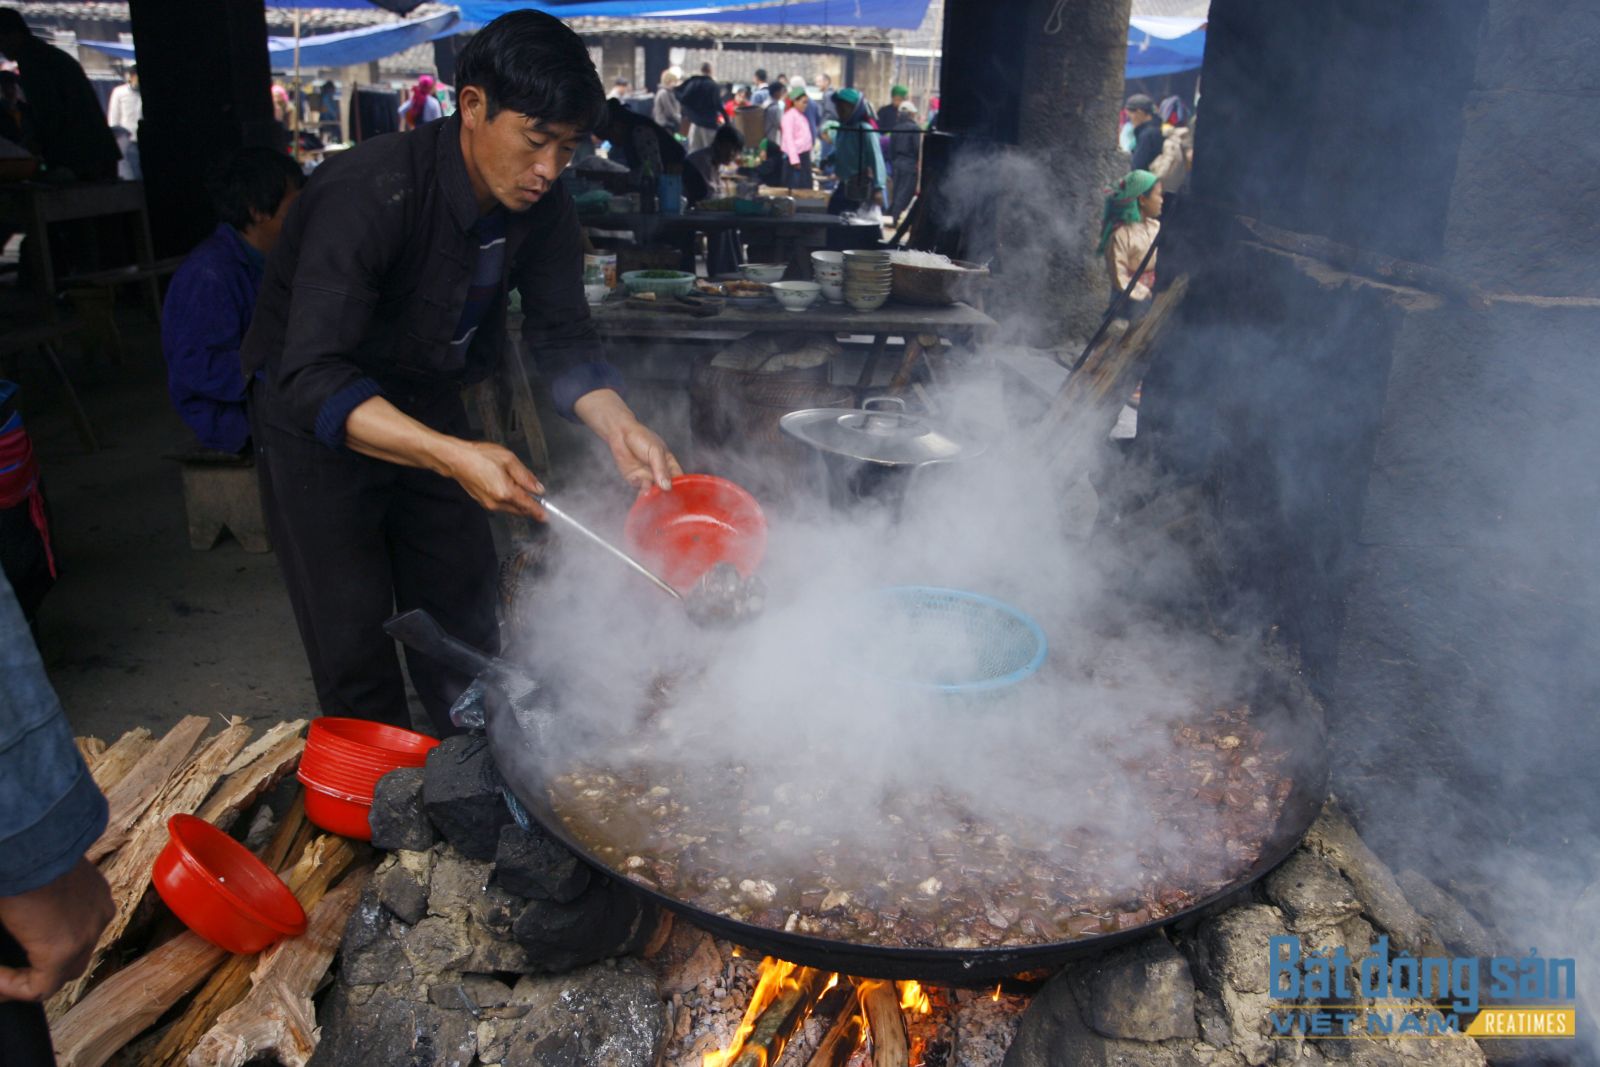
68, 121
1147, 138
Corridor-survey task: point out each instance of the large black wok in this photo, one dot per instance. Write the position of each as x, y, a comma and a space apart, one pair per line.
1281, 705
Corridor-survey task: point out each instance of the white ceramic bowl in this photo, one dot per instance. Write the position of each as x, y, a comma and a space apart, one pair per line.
763, 272
824, 259
796, 296
833, 292
867, 303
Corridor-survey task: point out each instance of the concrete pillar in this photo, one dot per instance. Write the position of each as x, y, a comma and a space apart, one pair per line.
1392, 394
207, 90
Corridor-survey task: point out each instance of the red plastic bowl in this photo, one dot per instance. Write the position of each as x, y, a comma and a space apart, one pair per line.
371, 741
704, 521
221, 891
338, 812
356, 783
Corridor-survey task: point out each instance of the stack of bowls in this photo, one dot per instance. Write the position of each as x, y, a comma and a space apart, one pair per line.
868, 276
827, 270
343, 760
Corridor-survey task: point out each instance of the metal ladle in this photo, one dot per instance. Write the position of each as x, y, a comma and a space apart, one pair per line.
720, 596
595, 539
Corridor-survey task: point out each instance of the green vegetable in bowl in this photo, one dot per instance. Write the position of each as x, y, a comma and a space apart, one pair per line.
670, 274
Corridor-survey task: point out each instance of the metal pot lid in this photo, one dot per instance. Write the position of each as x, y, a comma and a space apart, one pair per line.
874, 435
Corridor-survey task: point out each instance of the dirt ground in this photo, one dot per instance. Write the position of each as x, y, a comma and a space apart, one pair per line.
141, 629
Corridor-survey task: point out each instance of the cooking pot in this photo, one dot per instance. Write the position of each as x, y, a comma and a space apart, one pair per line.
875, 451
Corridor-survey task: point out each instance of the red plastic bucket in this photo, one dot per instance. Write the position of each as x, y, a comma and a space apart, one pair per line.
221, 891
703, 521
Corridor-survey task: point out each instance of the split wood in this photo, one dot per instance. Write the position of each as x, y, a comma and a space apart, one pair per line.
129, 870
114, 763
277, 1016
891, 1045
844, 1036
778, 1022
122, 1006
140, 785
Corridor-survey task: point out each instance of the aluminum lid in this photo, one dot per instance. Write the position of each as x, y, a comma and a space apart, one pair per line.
873, 435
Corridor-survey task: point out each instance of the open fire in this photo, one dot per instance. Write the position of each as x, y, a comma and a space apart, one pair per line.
861, 1016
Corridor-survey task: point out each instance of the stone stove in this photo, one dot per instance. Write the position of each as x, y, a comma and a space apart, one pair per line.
479, 942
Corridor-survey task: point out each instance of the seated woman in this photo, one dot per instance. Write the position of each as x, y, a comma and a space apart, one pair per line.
213, 293
1129, 227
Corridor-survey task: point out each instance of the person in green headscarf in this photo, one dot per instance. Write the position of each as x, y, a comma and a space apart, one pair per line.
889, 114
857, 157
1129, 225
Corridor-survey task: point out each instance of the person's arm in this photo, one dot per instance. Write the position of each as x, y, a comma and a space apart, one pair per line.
52, 900
201, 328
559, 335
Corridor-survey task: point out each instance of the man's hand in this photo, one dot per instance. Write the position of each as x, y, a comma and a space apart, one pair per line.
642, 457
494, 477
491, 475
57, 925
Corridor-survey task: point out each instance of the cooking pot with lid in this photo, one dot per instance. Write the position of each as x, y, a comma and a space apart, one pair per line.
874, 451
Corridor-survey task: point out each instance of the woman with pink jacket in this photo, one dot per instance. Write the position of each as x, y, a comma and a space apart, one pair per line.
795, 135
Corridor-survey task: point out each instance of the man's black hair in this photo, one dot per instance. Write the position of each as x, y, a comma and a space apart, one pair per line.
11, 21
727, 134
761, 75
532, 63
777, 89
250, 182
1141, 102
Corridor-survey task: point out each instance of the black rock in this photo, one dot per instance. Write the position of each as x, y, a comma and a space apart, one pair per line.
607, 919
380, 1026
369, 953
532, 864
461, 794
400, 892
397, 818
608, 1014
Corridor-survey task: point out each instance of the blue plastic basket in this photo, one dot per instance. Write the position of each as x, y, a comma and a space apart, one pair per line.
949, 641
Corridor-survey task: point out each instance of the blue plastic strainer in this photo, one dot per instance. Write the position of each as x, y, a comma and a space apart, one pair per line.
948, 640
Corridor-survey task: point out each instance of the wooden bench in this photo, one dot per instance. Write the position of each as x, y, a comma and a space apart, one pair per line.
46, 337
221, 492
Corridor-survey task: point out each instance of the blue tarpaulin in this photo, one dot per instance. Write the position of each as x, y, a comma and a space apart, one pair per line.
342, 49
861, 14
1149, 55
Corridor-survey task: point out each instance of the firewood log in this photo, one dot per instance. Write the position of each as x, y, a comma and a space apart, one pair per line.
91, 749
113, 764
845, 1035
277, 1016
254, 771
891, 1045
322, 861
129, 798
129, 871
777, 1024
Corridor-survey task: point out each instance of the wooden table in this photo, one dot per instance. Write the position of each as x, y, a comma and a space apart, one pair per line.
33, 206
920, 328
793, 234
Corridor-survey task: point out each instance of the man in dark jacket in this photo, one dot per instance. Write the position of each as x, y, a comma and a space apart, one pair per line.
387, 294
53, 901
702, 108
1147, 139
213, 294
69, 123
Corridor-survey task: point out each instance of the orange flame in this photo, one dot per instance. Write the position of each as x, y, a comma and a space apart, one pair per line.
914, 998
774, 977
996, 992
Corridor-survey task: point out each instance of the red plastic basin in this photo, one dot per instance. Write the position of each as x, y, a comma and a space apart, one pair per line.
361, 739
704, 521
221, 891
338, 812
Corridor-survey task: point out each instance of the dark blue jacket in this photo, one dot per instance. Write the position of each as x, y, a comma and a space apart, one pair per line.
207, 312
50, 809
